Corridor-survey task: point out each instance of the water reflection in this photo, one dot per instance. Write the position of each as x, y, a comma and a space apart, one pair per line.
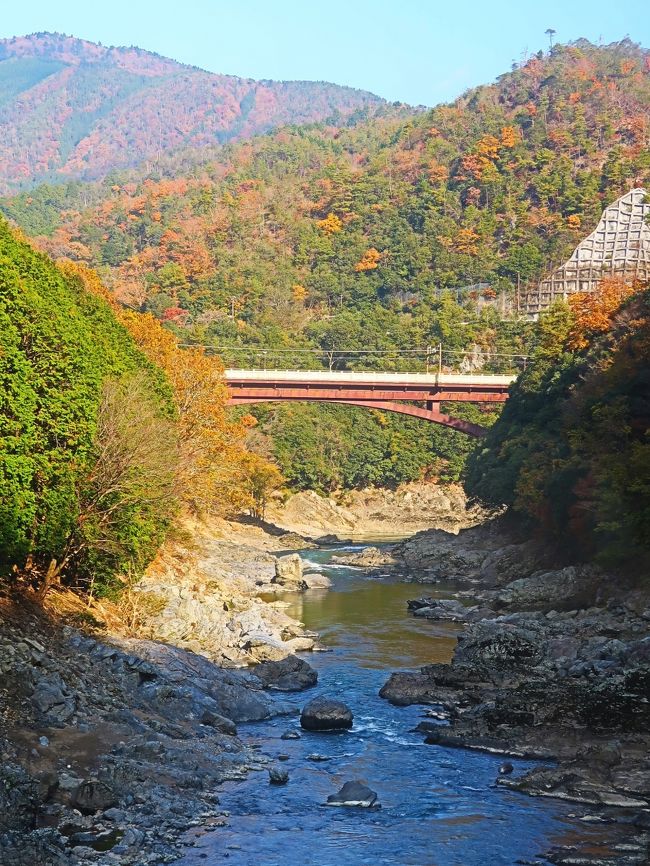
365, 618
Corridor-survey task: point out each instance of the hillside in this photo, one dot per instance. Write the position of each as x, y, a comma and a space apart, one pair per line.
78, 399
110, 433
73, 109
391, 235
306, 222
570, 453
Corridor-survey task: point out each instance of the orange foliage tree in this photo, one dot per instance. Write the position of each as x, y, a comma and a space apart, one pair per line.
369, 261
331, 224
214, 467
593, 312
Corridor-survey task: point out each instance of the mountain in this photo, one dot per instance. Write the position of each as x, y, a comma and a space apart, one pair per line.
389, 235
73, 109
488, 193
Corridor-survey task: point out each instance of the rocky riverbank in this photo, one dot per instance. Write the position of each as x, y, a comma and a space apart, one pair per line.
205, 597
112, 746
554, 664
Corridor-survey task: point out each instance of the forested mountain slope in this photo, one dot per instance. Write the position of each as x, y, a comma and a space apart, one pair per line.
571, 452
73, 109
287, 228
74, 391
390, 235
109, 431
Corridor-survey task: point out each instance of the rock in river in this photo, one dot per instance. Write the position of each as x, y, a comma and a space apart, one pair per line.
326, 714
353, 794
278, 776
290, 674
288, 571
93, 796
369, 557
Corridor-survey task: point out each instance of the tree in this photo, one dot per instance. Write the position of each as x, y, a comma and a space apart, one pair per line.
593, 311
60, 346
261, 479
369, 261
129, 495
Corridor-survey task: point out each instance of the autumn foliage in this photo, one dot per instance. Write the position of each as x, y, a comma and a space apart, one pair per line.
593, 311
369, 261
571, 451
215, 473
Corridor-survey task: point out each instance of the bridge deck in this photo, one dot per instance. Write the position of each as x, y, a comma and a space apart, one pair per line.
394, 392
335, 377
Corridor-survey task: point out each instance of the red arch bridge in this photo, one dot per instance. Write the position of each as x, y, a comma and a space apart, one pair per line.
394, 392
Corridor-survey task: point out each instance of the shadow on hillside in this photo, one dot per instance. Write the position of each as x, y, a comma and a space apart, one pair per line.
266, 526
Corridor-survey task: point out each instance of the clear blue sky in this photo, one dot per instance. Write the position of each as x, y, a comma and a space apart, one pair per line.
416, 51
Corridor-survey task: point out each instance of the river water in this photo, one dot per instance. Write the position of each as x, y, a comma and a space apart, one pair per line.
439, 806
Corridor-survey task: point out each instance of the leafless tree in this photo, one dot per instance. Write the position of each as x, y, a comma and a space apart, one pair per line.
134, 468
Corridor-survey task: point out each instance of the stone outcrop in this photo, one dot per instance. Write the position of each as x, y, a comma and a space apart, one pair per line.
482, 555
208, 601
117, 746
376, 512
291, 674
553, 664
288, 571
369, 557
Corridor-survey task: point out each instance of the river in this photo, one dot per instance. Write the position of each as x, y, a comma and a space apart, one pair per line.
440, 806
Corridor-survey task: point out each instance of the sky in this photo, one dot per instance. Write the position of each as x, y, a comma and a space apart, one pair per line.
421, 52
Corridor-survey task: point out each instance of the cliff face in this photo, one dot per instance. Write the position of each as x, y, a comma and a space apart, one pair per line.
376, 512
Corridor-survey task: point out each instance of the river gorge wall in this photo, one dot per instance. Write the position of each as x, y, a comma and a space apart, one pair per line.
377, 512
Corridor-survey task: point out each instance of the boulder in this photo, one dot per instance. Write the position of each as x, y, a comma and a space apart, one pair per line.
237, 695
288, 571
444, 609
93, 796
492, 646
220, 723
369, 557
405, 687
278, 776
316, 580
299, 644
326, 714
293, 539
53, 701
353, 794
264, 648
570, 587
290, 674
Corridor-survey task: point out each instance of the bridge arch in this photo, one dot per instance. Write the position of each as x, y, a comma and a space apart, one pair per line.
392, 392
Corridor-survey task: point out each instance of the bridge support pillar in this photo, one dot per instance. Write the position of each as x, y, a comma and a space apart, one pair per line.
433, 406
